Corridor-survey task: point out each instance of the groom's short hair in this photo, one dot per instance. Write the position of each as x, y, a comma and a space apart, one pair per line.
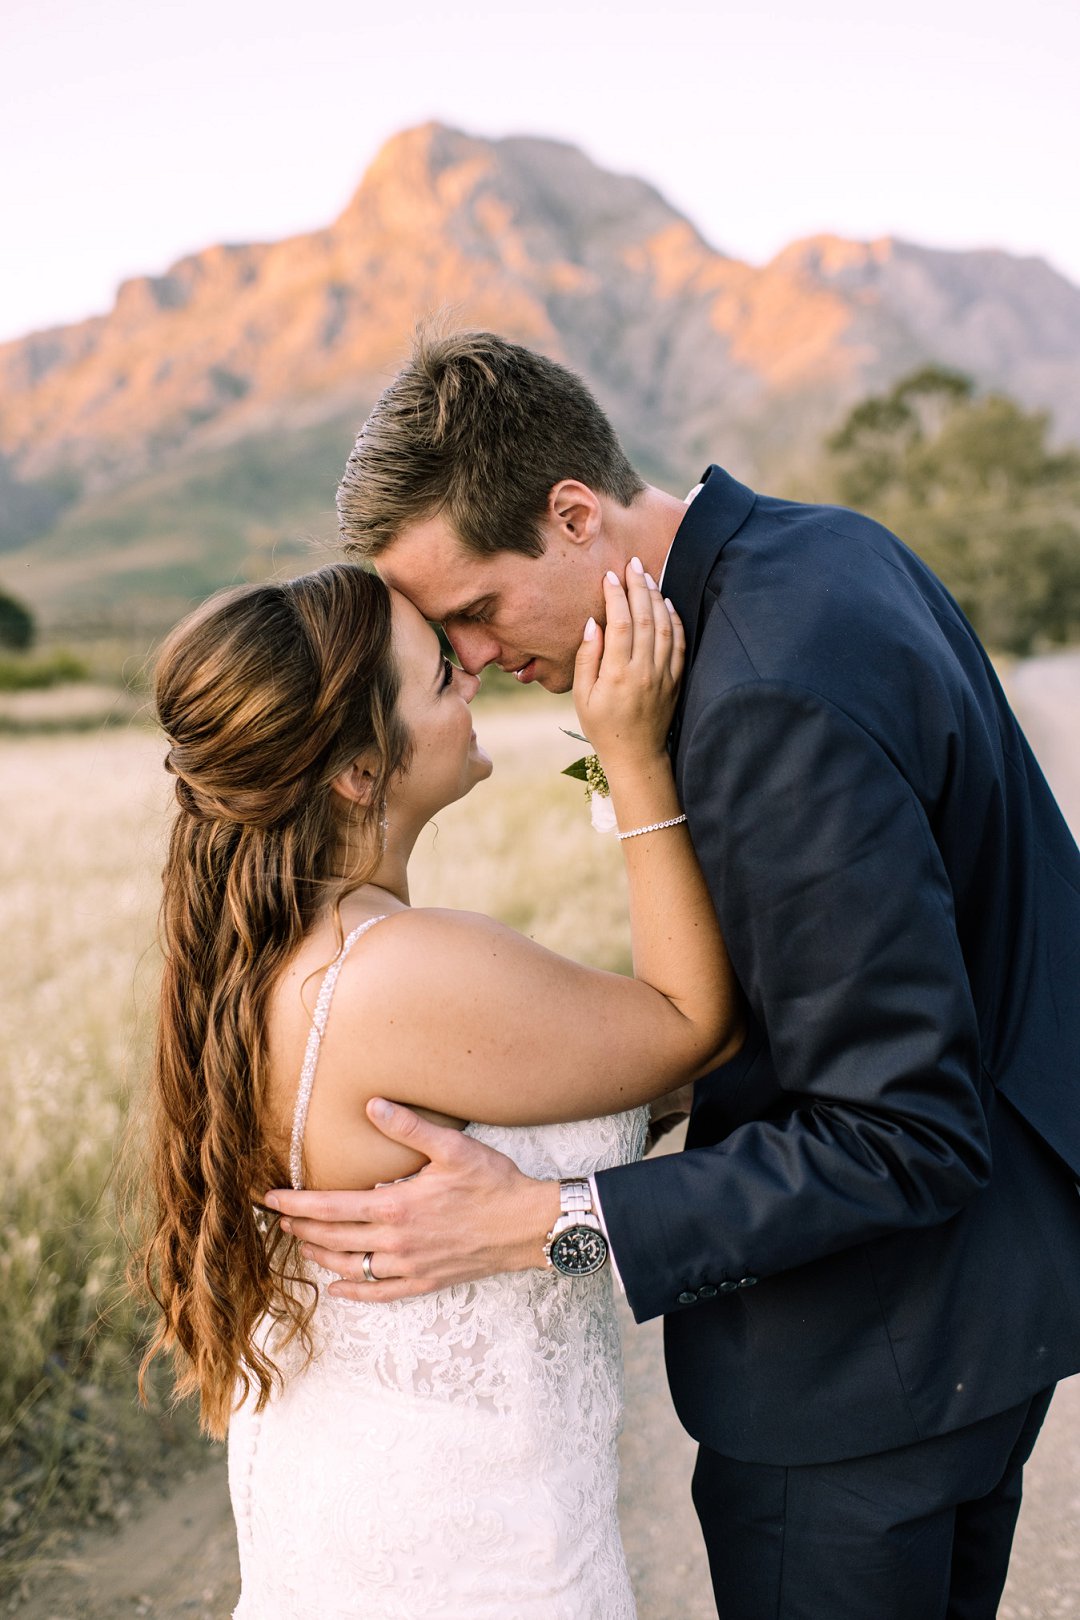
479, 429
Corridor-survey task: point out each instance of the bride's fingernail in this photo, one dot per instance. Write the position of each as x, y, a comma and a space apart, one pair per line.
613, 577
650, 582
669, 604
590, 630
637, 565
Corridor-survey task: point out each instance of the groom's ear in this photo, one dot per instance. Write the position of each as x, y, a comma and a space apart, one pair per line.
574, 512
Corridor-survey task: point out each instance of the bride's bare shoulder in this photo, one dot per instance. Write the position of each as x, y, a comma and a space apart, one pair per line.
410, 949
401, 949
420, 982
436, 928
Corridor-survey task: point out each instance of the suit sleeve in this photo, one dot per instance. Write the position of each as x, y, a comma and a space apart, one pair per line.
838, 915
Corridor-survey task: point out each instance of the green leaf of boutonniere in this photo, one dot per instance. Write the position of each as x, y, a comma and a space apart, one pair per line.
587, 769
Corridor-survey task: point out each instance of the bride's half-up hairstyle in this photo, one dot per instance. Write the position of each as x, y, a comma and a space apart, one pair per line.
265, 693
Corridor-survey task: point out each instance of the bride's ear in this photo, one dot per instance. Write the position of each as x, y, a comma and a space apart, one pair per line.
356, 783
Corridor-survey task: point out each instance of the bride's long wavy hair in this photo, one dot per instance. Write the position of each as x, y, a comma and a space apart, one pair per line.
265, 694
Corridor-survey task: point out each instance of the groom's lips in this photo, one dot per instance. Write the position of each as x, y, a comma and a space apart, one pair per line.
526, 672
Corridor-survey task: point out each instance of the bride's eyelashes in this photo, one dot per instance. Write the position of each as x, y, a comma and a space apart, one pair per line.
448, 674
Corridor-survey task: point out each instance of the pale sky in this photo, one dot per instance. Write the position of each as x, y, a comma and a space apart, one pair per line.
134, 131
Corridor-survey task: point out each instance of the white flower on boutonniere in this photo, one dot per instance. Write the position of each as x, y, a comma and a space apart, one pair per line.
589, 770
602, 813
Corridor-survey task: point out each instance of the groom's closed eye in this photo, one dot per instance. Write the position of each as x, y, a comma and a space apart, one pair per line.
476, 612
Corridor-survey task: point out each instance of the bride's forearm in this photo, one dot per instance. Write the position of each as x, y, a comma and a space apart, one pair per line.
642, 791
677, 945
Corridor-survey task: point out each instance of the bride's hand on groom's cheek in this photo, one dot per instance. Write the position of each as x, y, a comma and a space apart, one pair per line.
468, 1213
626, 675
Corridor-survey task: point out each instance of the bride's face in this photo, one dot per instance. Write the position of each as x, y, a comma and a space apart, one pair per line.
434, 703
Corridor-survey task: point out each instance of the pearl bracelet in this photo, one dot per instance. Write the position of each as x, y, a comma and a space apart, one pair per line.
654, 826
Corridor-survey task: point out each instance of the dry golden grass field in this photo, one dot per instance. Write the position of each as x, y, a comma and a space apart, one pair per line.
83, 819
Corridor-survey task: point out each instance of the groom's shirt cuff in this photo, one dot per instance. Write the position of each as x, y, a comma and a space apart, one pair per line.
598, 1211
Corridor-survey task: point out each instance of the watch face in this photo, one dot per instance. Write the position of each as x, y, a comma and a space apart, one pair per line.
579, 1251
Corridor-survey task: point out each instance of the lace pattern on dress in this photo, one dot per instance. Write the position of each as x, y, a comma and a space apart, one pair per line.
451, 1456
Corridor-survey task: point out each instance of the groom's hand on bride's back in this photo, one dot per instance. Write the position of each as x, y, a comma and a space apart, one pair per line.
468, 1213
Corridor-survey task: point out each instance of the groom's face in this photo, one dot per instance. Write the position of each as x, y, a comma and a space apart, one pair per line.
525, 614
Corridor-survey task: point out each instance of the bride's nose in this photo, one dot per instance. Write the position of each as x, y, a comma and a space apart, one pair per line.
470, 685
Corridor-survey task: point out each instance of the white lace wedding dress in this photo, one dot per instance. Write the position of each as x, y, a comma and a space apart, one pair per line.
451, 1457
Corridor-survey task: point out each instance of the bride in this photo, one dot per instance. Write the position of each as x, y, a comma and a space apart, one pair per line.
452, 1455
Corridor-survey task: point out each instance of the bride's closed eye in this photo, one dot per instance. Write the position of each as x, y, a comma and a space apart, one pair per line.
448, 673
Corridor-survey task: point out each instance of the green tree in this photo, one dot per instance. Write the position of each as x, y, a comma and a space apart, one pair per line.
972, 484
17, 628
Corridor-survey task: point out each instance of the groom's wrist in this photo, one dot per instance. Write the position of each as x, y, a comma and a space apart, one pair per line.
539, 1212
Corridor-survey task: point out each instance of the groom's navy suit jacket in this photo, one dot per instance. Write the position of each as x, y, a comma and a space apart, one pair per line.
874, 1233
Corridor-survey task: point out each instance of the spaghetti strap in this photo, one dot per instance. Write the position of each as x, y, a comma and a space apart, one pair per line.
311, 1053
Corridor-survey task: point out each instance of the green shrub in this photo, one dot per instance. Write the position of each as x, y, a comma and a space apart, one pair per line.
16, 624
34, 675
973, 485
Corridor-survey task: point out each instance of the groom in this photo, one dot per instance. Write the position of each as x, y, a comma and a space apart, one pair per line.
868, 1256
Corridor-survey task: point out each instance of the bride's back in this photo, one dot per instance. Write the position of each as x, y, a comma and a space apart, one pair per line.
452, 1454
341, 1148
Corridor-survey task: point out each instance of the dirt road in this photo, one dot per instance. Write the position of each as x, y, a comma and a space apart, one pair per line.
177, 1559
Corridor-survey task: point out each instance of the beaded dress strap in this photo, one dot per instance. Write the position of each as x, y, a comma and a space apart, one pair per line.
311, 1053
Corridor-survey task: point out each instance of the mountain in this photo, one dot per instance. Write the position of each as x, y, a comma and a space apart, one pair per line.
194, 433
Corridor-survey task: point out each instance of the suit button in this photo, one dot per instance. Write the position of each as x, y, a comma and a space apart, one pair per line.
707, 1291
687, 1298
747, 1282
727, 1286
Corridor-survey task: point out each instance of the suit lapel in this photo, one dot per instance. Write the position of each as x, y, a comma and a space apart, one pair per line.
718, 511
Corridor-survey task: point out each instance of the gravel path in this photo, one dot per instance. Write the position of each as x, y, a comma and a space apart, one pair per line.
177, 1559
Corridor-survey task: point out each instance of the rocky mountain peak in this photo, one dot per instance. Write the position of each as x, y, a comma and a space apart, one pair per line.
696, 354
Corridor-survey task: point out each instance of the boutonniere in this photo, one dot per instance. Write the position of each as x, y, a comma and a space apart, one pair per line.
589, 770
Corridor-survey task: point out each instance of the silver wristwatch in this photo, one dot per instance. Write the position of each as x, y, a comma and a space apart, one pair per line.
576, 1247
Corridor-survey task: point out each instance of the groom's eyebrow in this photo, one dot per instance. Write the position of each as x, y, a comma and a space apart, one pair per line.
470, 609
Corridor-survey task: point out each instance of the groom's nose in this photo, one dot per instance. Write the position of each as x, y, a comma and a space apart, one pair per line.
475, 647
